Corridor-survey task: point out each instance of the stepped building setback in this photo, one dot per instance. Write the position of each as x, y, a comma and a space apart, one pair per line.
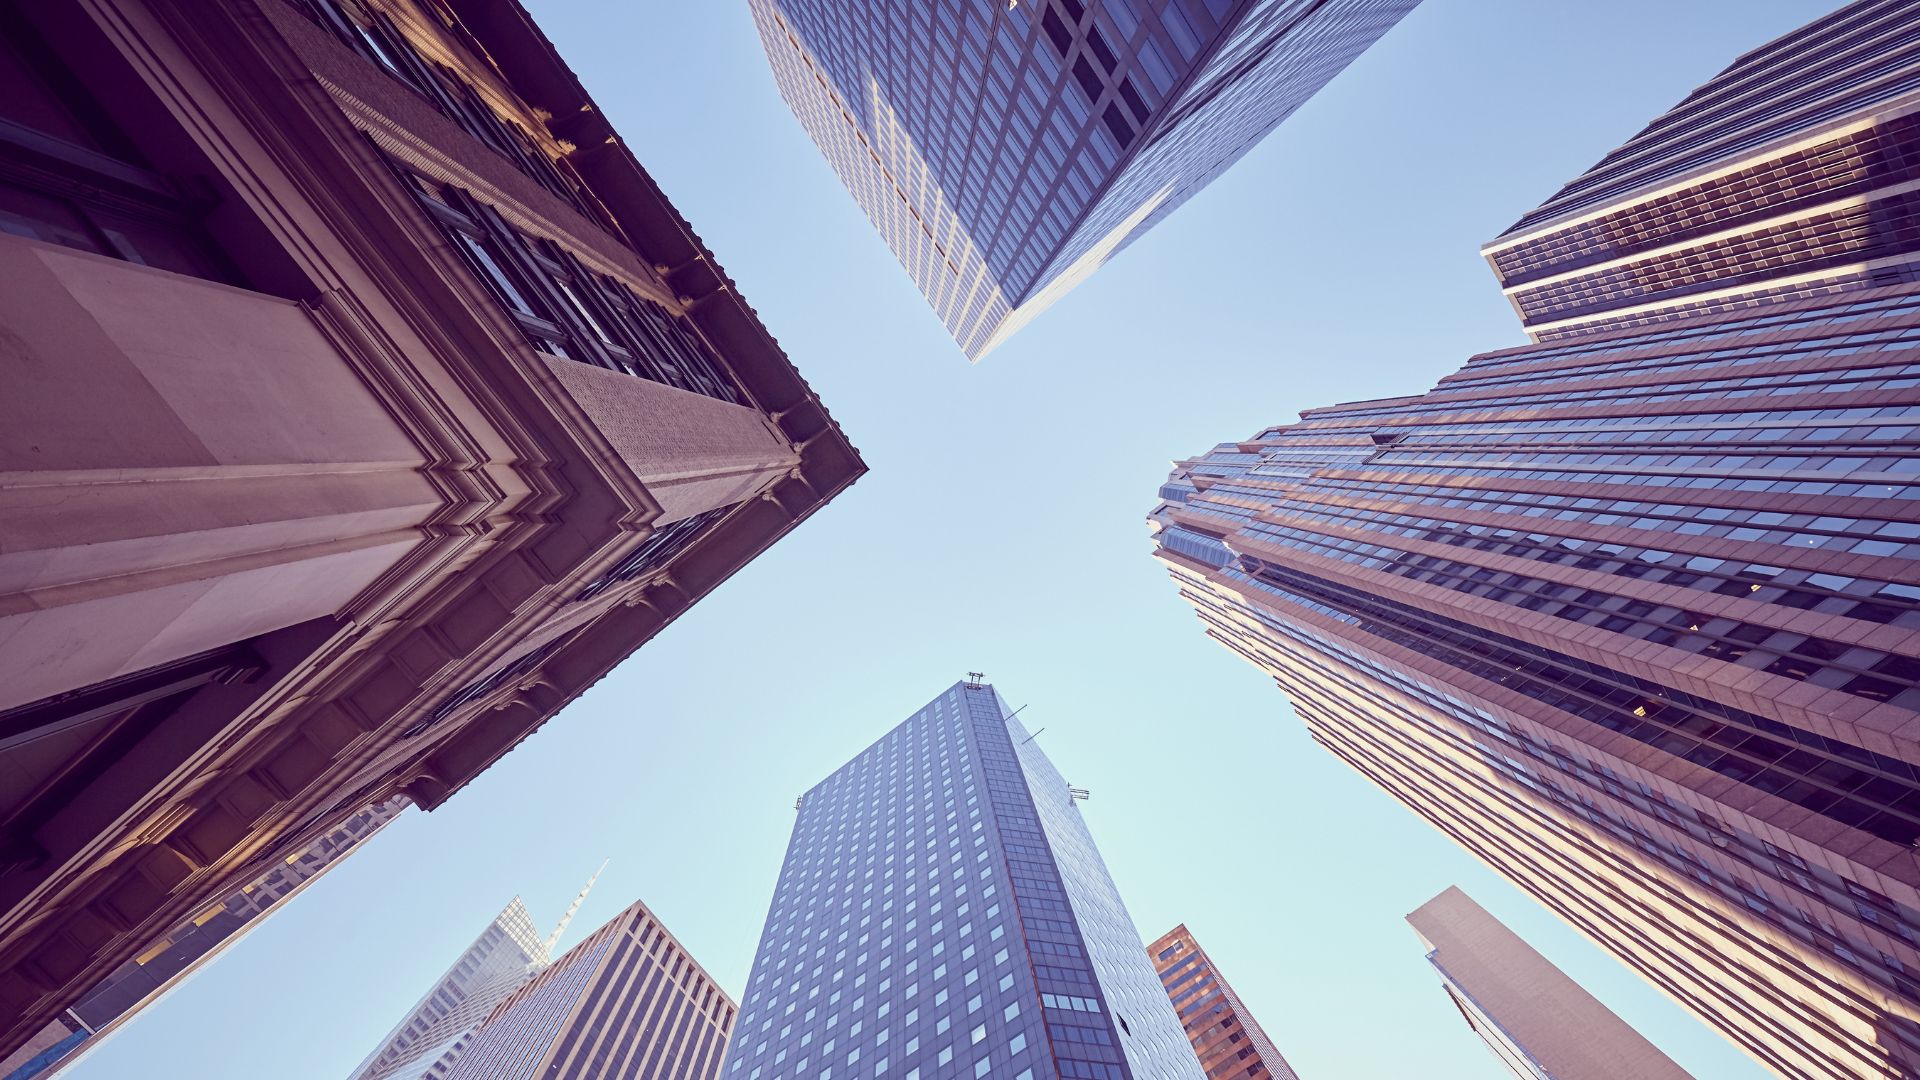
366, 402
1006, 151
1633, 614
943, 912
627, 1003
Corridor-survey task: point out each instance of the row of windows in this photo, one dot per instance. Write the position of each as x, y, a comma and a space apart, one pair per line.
372, 34
1754, 750
1724, 334
1846, 235
1878, 156
1599, 777
565, 309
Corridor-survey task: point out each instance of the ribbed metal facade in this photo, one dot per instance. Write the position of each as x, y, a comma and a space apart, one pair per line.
1636, 620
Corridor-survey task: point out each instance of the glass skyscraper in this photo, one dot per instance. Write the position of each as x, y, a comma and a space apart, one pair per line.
1633, 614
1791, 173
1005, 151
942, 912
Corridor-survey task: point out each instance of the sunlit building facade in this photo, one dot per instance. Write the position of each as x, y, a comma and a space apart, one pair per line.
1636, 619
943, 912
1633, 613
1005, 151
1539, 1023
1226, 1037
367, 401
1794, 172
627, 1003
189, 947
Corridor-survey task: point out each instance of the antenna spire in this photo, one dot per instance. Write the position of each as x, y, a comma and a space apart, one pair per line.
554, 938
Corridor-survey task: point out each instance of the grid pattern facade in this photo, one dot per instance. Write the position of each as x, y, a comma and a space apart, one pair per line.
1637, 620
1006, 151
942, 912
628, 1002
1793, 173
1226, 1038
439, 1028
1539, 1023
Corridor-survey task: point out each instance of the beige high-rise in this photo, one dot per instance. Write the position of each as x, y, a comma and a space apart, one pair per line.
1539, 1022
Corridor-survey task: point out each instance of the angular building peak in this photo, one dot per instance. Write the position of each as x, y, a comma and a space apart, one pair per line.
1228, 1040
1535, 1019
943, 912
433, 1034
1006, 151
629, 1001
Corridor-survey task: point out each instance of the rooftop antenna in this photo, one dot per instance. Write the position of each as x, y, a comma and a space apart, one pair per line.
554, 938
974, 679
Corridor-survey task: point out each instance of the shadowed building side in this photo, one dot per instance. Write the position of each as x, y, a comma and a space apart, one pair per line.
367, 403
119, 999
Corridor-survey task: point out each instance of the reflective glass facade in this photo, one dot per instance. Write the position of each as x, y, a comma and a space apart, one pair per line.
1633, 613
1006, 151
1794, 172
1226, 1038
1637, 619
942, 912
628, 1002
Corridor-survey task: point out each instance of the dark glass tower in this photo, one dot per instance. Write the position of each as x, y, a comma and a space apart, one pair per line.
943, 913
1006, 151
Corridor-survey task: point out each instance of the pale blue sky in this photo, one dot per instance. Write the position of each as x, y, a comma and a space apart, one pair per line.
1002, 530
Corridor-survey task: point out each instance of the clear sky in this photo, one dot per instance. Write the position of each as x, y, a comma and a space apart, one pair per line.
1002, 530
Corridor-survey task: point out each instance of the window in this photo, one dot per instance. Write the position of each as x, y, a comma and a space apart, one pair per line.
566, 309
69, 177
